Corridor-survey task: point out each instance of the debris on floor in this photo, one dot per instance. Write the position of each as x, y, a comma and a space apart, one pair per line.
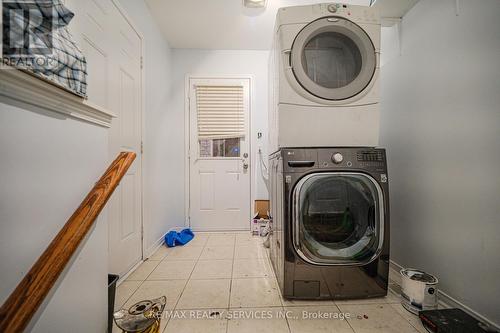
142, 317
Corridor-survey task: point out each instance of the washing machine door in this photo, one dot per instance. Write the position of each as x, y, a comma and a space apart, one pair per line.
338, 218
333, 58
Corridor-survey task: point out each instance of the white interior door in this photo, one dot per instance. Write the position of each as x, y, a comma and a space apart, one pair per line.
113, 50
219, 154
125, 206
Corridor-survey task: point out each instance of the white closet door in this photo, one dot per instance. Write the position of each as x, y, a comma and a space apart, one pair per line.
125, 207
113, 50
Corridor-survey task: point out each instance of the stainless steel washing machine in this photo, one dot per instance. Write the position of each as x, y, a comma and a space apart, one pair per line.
330, 222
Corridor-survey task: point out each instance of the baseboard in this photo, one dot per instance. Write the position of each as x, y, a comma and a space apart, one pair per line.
146, 254
447, 301
153, 248
125, 276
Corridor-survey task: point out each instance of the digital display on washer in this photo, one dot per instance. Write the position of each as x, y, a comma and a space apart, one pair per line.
370, 156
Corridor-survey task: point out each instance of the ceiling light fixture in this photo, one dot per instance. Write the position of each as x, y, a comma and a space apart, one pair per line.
254, 3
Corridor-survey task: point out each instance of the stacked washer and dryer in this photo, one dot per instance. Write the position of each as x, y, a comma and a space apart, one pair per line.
328, 181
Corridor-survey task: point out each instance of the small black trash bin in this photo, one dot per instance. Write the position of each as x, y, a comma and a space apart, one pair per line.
112, 279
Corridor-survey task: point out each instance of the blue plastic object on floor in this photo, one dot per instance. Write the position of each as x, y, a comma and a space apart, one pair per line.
174, 238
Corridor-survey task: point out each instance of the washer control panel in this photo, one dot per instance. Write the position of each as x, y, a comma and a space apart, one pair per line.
345, 158
356, 158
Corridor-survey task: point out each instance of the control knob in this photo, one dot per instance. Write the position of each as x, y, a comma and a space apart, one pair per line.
337, 158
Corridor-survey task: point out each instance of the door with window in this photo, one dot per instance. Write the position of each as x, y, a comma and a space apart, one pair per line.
219, 154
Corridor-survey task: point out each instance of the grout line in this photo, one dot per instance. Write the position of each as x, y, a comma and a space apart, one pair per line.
141, 282
231, 283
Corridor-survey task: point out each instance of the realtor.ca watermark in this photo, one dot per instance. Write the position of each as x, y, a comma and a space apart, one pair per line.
27, 33
254, 315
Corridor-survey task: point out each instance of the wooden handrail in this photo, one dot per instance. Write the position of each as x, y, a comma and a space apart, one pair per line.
19, 308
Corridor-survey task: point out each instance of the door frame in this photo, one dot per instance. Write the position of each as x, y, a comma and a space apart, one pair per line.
187, 139
140, 160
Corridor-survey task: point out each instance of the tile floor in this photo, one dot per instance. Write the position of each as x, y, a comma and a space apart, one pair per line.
223, 282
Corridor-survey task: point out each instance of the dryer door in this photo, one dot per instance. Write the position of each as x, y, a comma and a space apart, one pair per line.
333, 58
338, 218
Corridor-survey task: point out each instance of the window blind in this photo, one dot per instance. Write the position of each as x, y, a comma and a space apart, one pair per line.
220, 111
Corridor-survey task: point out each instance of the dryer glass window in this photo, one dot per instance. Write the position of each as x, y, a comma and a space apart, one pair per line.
337, 218
332, 60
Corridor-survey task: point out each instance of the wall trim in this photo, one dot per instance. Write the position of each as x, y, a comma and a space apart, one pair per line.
17, 87
448, 301
147, 253
154, 247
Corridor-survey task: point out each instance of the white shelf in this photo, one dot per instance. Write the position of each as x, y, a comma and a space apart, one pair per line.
391, 11
19, 87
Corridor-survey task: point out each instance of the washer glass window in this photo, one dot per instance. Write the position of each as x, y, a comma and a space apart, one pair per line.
338, 218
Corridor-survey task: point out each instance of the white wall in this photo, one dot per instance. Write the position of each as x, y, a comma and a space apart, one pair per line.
163, 171
47, 166
441, 126
218, 63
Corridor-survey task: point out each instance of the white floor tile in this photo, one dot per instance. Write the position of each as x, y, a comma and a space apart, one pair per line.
376, 318
172, 289
252, 251
307, 302
390, 298
410, 317
173, 270
203, 294
248, 240
196, 321
217, 252
199, 240
223, 239
317, 319
124, 291
213, 269
186, 252
161, 253
143, 271
261, 320
254, 292
245, 268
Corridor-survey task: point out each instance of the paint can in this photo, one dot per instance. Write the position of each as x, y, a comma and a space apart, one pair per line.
142, 317
418, 290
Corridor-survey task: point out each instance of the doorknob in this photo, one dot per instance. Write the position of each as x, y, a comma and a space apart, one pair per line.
245, 166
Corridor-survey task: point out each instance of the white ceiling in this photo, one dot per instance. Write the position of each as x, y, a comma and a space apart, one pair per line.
220, 24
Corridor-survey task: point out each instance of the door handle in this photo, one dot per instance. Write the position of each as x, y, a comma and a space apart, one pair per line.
288, 58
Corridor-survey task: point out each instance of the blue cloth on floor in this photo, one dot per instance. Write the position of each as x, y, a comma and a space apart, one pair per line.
174, 238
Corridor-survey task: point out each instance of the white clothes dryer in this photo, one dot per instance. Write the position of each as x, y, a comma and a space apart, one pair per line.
324, 71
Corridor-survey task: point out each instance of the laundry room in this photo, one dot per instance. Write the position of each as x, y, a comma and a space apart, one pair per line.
287, 166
